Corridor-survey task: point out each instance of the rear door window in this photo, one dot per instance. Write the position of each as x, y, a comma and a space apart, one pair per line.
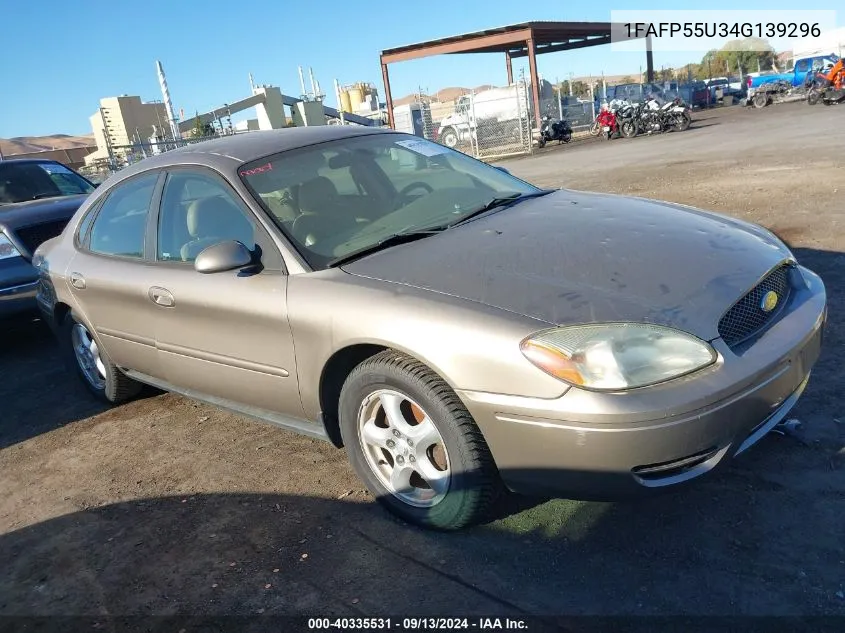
120, 227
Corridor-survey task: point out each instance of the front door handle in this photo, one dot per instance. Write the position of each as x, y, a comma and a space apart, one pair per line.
77, 281
162, 297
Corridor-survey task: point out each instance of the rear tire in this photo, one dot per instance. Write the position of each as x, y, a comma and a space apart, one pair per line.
595, 129
102, 377
628, 129
682, 122
760, 100
391, 399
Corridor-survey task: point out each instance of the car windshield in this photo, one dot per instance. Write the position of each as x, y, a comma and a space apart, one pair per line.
346, 196
23, 181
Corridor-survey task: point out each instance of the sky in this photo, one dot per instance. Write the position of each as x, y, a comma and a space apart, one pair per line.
60, 57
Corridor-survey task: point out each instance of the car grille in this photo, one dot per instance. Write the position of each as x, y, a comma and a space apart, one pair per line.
31, 237
746, 318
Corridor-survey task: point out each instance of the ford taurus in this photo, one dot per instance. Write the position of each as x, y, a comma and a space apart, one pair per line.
458, 330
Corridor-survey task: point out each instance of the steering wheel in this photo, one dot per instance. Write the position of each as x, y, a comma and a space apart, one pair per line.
306, 228
414, 185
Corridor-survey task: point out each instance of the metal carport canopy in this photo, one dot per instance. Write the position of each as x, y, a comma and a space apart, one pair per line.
527, 39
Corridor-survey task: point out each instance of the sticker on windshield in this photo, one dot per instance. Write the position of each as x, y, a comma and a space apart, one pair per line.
55, 168
426, 148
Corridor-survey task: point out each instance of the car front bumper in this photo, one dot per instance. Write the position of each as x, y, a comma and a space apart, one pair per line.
605, 446
18, 284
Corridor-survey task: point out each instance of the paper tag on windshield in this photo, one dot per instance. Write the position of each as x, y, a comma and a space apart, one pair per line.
55, 168
426, 148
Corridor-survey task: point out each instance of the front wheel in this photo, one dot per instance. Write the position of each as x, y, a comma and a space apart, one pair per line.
567, 136
595, 128
682, 121
628, 129
812, 97
101, 376
414, 444
449, 137
760, 99
541, 142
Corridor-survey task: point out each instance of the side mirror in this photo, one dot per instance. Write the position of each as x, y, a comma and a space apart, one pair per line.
222, 257
502, 169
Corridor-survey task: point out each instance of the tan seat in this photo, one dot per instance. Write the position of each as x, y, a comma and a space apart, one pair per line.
213, 220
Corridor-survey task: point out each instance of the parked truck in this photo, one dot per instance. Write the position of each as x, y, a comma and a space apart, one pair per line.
763, 88
505, 112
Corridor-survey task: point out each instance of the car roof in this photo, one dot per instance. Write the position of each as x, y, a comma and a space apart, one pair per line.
234, 150
28, 160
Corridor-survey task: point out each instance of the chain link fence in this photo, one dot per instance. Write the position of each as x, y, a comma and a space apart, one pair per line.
122, 156
486, 124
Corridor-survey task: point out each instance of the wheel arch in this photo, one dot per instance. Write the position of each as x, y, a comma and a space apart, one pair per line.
338, 367
60, 312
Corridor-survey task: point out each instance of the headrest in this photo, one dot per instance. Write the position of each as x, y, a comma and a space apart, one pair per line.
316, 194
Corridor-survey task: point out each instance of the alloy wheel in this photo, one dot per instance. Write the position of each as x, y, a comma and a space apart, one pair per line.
87, 355
403, 448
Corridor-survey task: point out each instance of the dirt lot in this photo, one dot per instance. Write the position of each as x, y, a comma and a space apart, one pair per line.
167, 506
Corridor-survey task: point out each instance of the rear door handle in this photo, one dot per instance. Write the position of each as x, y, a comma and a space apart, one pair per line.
162, 297
77, 281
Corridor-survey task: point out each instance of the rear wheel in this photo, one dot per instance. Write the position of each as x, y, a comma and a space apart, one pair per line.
595, 128
414, 445
812, 97
92, 365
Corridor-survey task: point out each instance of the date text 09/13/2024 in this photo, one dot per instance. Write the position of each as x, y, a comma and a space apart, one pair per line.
722, 29
418, 624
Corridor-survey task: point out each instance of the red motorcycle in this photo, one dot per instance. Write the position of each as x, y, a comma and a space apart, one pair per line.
607, 120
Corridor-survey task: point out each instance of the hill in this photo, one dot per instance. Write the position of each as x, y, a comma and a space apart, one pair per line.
30, 144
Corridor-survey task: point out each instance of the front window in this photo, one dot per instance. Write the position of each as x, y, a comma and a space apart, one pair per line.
23, 181
343, 196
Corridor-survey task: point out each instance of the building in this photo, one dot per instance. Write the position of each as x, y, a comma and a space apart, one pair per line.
123, 121
832, 41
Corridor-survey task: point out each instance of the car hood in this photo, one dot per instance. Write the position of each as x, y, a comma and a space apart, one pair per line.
20, 214
572, 257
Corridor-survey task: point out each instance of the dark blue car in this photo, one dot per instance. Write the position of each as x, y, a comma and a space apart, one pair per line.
37, 199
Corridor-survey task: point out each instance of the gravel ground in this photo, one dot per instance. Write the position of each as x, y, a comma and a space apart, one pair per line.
166, 506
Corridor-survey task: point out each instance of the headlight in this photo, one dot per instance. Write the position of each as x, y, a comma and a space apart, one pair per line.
616, 356
7, 249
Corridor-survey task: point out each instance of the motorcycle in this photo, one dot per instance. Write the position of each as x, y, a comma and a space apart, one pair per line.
554, 130
655, 117
608, 123
626, 114
827, 86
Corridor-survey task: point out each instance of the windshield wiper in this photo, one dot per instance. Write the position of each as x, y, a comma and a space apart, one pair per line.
402, 237
41, 196
499, 203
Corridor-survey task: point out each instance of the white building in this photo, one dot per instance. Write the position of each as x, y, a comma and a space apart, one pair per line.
125, 120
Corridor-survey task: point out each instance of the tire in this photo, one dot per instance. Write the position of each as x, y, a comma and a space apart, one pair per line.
628, 129
456, 454
595, 129
103, 379
682, 122
760, 99
449, 138
541, 142
567, 136
813, 97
